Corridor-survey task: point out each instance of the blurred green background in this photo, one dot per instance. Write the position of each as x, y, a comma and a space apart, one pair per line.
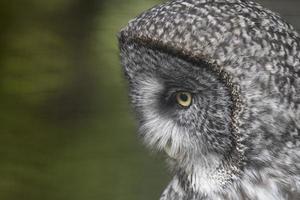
66, 130
66, 127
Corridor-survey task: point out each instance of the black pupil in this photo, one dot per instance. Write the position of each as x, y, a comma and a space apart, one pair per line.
183, 97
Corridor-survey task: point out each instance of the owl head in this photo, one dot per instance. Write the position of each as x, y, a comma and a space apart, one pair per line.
208, 80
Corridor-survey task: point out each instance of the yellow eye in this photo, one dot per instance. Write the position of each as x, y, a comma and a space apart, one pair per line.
184, 99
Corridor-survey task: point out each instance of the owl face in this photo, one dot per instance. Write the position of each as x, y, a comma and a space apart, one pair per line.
182, 108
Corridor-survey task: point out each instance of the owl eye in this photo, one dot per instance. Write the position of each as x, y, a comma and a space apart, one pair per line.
184, 99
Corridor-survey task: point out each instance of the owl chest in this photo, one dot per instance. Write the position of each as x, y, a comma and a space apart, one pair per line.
244, 190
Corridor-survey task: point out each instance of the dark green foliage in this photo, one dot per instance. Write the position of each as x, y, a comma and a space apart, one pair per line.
66, 130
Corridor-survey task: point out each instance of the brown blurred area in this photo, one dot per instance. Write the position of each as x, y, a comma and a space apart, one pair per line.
66, 130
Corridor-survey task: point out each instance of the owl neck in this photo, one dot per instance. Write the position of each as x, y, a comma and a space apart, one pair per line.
207, 174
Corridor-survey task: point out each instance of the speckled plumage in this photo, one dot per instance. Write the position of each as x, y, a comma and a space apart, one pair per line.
240, 138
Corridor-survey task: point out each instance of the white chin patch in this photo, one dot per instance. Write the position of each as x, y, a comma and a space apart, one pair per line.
163, 134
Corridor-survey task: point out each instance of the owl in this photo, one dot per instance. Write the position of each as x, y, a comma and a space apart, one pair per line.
215, 86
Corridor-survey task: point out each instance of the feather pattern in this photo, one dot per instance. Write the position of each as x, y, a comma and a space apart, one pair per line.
240, 139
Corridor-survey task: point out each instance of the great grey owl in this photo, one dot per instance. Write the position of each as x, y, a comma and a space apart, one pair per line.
215, 84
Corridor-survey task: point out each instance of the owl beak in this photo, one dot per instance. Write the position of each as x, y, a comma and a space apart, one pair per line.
168, 150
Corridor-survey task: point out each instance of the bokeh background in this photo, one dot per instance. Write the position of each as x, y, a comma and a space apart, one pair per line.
66, 129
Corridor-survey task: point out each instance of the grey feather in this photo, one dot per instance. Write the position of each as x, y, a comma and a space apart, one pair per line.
240, 138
